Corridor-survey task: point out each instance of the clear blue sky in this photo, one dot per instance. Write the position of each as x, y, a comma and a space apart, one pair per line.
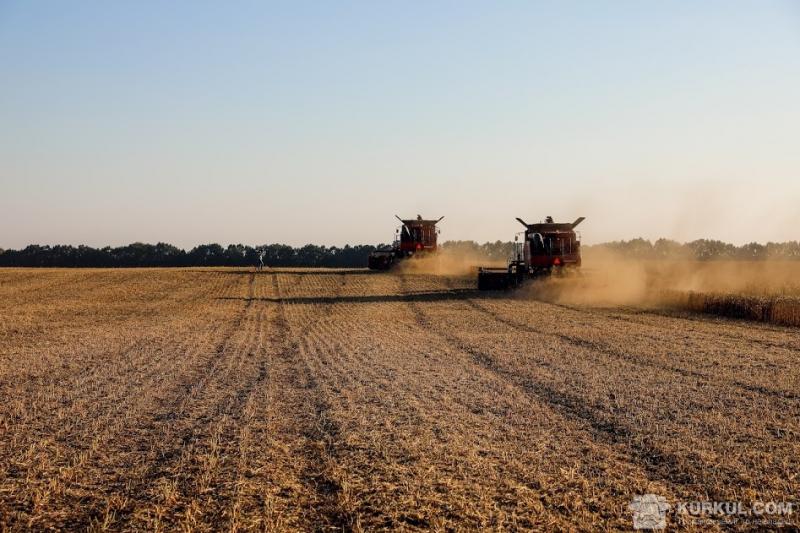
296, 122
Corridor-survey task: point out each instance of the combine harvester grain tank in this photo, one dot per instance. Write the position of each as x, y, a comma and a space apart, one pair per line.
547, 248
415, 237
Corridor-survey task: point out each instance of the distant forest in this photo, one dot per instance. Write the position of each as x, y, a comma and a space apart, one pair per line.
281, 255
702, 250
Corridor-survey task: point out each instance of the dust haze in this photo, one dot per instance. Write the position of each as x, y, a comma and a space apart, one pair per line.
608, 278
448, 262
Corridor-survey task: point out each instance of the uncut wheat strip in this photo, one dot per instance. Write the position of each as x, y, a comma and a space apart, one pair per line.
411, 283
357, 285
785, 310
134, 296
584, 377
69, 291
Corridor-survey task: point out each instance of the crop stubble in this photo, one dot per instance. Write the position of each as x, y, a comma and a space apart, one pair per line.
306, 399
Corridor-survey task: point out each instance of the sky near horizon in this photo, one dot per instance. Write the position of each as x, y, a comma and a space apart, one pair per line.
317, 122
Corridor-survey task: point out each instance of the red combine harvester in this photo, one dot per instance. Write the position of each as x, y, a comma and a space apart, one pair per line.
415, 236
547, 247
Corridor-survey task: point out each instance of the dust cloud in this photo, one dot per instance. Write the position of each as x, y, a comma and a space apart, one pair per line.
609, 279
447, 262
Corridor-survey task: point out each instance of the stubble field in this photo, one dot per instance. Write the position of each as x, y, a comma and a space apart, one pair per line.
345, 399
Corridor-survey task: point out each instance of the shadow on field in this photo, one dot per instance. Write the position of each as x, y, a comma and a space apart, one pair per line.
434, 296
267, 271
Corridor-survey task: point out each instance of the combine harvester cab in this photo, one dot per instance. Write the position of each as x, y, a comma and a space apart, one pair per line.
547, 247
415, 236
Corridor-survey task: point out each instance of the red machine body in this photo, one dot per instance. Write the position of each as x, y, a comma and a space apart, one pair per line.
549, 244
415, 236
546, 247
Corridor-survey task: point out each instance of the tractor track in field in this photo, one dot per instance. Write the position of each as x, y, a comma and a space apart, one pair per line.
173, 417
346, 400
109, 424
667, 467
392, 390
775, 421
215, 462
638, 317
743, 326
631, 358
201, 421
301, 400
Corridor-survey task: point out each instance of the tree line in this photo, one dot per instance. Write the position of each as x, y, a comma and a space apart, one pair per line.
702, 250
310, 255
167, 255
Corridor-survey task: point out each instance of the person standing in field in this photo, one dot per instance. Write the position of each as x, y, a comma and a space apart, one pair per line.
260, 260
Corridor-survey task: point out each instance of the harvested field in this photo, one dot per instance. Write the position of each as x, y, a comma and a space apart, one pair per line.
345, 399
